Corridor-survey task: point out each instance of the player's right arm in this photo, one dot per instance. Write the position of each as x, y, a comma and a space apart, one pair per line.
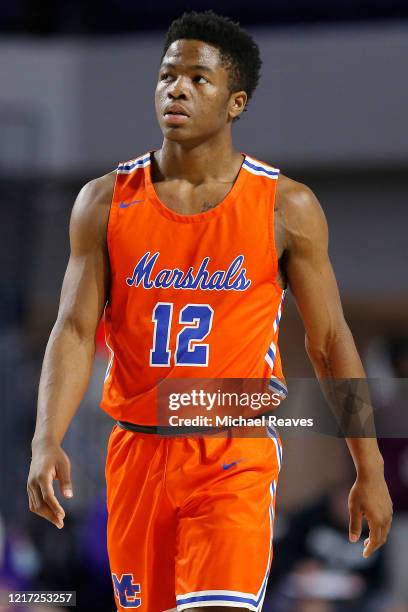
70, 350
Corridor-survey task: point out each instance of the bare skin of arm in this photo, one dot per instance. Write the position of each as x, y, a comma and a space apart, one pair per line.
301, 236
70, 350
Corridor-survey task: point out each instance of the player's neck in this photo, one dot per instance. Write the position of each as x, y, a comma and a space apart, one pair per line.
206, 161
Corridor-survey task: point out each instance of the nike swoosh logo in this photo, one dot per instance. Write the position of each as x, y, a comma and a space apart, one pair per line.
124, 205
227, 466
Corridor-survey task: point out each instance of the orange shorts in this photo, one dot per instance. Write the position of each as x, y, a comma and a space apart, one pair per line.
190, 520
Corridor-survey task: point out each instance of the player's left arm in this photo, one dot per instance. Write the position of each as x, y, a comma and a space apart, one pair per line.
329, 343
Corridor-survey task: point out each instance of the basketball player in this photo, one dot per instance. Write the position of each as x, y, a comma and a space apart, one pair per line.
188, 250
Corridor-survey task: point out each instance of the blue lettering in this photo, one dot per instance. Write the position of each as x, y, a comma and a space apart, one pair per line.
233, 269
202, 275
126, 591
232, 279
143, 268
216, 280
167, 280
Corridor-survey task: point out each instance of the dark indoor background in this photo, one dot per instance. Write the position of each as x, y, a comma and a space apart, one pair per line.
76, 96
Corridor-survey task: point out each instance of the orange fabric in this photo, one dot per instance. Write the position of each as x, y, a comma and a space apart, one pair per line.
190, 519
221, 262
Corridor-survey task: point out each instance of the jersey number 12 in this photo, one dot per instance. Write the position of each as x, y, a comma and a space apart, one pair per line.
197, 320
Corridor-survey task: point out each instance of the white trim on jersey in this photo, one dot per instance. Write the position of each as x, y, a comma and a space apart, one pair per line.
272, 434
270, 358
271, 352
111, 358
278, 387
279, 313
134, 164
260, 168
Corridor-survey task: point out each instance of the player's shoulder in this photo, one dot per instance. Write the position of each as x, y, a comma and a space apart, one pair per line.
99, 190
104, 185
295, 197
298, 211
90, 213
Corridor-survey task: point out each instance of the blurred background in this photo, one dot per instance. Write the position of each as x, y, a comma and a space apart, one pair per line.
76, 97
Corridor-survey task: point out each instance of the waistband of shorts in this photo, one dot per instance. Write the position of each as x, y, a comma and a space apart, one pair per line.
169, 430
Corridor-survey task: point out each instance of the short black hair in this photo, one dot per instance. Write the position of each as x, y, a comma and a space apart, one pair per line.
238, 50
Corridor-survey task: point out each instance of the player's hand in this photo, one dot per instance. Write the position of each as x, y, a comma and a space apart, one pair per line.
369, 498
49, 462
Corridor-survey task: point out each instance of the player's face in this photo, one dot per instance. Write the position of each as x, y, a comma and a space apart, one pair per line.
193, 101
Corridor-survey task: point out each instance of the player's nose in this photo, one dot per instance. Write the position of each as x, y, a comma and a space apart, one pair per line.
178, 89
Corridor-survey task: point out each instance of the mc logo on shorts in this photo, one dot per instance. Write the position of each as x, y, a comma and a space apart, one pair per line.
126, 591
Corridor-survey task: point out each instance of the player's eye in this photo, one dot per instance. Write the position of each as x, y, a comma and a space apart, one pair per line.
200, 79
164, 76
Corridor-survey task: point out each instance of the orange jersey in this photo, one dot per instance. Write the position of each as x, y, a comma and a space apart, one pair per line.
191, 295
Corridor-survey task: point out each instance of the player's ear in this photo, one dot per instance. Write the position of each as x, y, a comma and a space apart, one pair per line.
237, 104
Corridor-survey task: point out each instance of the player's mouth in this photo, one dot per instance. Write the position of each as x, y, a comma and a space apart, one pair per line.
175, 114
